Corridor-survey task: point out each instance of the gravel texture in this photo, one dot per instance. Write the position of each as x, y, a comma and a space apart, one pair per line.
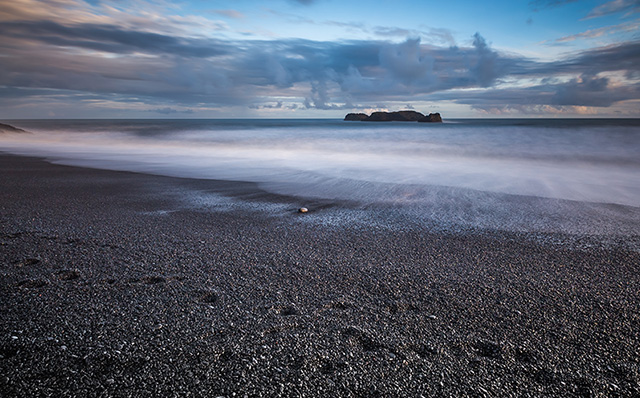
112, 286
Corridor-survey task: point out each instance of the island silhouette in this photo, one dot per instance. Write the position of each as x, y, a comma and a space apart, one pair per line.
398, 116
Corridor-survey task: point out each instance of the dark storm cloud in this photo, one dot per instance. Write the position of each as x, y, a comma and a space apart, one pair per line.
486, 68
52, 59
585, 90
625, 56
622, 57
365, 70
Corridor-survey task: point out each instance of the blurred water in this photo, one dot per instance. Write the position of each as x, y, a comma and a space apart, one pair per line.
591, 161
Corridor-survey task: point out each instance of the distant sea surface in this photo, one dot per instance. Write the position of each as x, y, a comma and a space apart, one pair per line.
572, 175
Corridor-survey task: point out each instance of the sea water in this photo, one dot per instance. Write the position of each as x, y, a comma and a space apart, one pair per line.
567, 175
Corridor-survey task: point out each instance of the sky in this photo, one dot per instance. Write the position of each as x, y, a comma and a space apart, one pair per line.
318, 58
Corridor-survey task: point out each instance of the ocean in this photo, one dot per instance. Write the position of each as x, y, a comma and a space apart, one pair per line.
579, 176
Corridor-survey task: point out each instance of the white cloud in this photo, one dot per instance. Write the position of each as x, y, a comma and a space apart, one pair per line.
613, 7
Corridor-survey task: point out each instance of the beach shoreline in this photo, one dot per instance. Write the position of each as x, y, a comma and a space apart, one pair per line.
113, 286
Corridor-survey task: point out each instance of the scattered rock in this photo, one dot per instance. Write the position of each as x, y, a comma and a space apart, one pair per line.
227, 356
208, 297
488, 349
426, 350
332, 367
339, 304
283, 310
583, 387
399, 307
545, 377
152, 280
32, 283
7, 352
288, 311
28, 261
367, 342
525, 356
68, 275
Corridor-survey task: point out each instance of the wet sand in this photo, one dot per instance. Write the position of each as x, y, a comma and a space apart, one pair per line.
114, 285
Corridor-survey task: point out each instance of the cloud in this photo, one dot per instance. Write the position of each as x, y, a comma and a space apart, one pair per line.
486, 68
406, 62
319, 98
277, 105
620, 57
589, 34
537, 110
90, 60
442, 35
229, 13
434, 35
614, 7
169, 111
584, 91
600, 32
393, 31
139, 15
580, 91
112, 39
538, 5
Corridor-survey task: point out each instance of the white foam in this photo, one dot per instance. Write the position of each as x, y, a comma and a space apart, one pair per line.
372, 164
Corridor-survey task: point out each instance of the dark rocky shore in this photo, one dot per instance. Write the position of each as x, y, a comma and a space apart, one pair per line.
112, 286
7, 128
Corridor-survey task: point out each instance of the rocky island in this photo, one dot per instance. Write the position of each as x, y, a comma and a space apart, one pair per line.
399, 116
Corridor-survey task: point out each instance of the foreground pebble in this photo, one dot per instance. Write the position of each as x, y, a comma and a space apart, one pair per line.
124, 303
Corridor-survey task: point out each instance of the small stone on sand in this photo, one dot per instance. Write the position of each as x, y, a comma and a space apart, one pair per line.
303, 210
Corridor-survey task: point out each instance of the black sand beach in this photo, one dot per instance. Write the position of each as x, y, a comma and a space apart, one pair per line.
112, 286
